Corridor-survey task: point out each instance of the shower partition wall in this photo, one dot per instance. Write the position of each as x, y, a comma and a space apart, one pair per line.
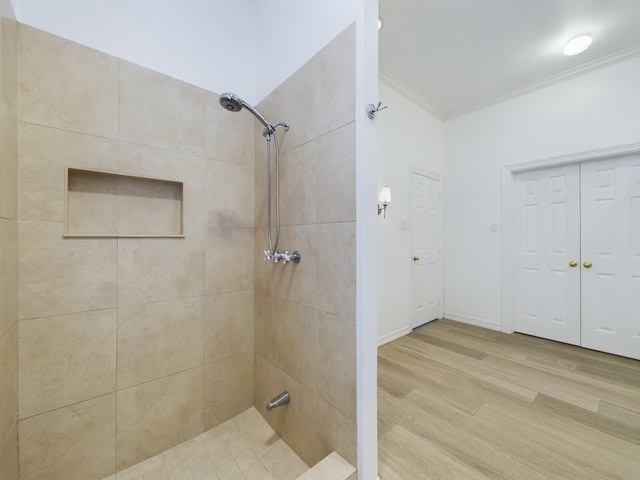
305, 331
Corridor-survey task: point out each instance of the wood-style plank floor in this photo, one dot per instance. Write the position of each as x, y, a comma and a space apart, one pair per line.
461, 402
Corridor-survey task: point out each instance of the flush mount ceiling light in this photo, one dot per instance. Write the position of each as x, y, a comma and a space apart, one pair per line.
577, 44
380, 23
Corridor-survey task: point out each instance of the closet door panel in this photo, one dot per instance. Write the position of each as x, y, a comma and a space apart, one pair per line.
547, 240
610, 204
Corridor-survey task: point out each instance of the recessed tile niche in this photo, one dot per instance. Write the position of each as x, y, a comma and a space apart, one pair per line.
108, 204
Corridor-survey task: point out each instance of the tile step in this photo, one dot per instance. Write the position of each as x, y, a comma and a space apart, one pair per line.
332, 467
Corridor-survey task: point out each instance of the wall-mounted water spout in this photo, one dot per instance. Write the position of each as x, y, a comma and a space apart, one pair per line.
278, 401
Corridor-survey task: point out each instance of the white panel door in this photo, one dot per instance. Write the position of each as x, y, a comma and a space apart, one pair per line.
611, 255
426, 282
547, 253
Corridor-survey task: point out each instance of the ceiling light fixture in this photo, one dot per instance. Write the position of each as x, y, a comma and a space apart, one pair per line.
577, 44
380, 23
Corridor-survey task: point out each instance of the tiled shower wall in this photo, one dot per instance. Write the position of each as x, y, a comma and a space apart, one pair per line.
305, 314
128, 346
8, 244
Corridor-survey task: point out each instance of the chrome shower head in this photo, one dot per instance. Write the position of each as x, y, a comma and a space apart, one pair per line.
233, 103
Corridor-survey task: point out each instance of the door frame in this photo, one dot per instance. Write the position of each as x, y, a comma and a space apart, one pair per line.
507, 238
438, 177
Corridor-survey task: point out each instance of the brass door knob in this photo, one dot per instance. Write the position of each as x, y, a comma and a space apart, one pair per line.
415, 259
573, 263
587, 265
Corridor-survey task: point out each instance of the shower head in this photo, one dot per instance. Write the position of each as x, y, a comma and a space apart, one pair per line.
233, 103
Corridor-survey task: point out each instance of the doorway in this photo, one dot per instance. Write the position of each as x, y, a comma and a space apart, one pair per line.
426, 247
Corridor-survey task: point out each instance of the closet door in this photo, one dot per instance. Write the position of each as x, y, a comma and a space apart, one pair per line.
547, 253
611, 255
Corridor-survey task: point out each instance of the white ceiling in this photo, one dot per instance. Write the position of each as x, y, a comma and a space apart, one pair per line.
454, 56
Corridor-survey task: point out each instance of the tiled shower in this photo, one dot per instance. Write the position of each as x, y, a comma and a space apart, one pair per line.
127, 345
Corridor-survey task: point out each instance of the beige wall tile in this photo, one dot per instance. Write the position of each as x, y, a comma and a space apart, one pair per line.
336, 432
158, 269
296, 422
336, 362
159, 339
66, 85
260, 185
159, 111
169, 165
335, 175
229, 259
316, 107
59, 276
149, 207
293, 341
318, 180
8, 113
8, 383
66, 360
228, 388
45, 153
228, 325
230, 136
336, 273
229, 195
298, 185
9, 466
72, 443
157, 415
262, 322
9, 277
296, 282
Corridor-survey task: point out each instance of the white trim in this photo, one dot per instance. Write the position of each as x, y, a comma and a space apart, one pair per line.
366, 89
478, 322
508, 171
579, 157
549, 81
405, 91
390, 337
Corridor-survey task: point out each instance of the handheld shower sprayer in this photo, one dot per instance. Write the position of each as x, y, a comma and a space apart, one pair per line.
232, 103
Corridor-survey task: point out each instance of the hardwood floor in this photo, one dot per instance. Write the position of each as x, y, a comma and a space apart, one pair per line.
461, 402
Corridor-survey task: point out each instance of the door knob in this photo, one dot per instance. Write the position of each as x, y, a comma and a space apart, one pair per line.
415, 259
587, 265
573, 263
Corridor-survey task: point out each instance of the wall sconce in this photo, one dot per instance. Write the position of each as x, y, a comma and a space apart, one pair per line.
384, 199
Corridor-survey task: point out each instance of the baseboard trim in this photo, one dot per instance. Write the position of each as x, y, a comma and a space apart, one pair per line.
478, 322
389, 337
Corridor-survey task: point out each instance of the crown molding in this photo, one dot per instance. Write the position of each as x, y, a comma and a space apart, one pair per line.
552, 80
401, 88
531, 87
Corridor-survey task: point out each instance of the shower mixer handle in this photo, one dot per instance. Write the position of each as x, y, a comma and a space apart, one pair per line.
284, 257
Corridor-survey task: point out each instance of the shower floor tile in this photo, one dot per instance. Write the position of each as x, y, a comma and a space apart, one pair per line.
243, 448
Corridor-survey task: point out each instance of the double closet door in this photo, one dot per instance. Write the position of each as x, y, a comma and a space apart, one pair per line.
577, 254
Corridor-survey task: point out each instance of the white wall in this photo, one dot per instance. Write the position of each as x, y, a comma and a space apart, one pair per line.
211, 44
292, 31
408, 136
597, 110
